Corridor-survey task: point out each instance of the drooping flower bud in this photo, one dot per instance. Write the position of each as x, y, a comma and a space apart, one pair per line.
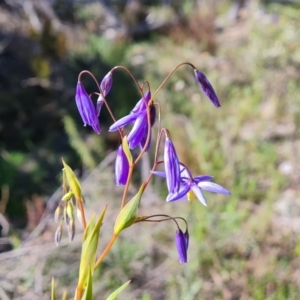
106, 84
71, 230
207, 88
86, 108
57, 214
100, 103
58, 234
121, 167
187, 238
172, 167
181, 242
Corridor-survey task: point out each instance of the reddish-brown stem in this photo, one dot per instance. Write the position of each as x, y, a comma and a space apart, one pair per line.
132, 77
106, 250
79, 202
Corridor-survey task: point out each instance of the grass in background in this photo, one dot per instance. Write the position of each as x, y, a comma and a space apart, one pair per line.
239, 246
245, 246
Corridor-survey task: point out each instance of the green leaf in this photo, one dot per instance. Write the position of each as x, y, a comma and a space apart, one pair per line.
89, 249
113, 296
129, 212
126, 150
89, 227
72, 181
64, 295
88, 295
53, 292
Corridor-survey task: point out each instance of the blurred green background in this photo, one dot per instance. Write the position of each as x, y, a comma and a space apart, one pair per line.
245, 246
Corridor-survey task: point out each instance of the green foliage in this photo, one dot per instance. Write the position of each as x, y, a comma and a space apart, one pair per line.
238, 245
114, 295
84, 150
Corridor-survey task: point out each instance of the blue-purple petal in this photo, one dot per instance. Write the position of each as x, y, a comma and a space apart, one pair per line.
183, 190
197, 191
141, 104
144, 139
207, 88
203, 178
213, 187
138, 131
123, 121
181, 246
172, 167
106, 83
86, 108
159, 173
100, 103
121, 167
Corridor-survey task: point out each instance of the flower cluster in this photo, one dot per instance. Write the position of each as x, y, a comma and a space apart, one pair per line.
180, 182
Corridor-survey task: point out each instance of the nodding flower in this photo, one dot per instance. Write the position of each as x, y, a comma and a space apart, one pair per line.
182, 243
194, 185
106, 83
207, 88
121, 167
86, 108
138, 116
172, 167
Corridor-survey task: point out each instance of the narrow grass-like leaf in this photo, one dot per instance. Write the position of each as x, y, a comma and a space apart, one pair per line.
64, 295
88, 294
89, 227
53, 292
89, 249
114, 295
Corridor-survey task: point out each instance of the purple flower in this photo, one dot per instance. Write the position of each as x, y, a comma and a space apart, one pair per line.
181, 242
121, 167
152, 121
207, 88
172, 167
141, 104
100, 103
106, 84
196, 184
86, 108
139, 131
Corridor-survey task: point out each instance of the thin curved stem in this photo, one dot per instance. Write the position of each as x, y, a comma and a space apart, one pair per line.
170, 74
132, 77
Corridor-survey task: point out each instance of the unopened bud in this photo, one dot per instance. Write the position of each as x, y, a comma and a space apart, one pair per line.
57, 214
66, 218
71, 230
58, 234
70, 211
67, 196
